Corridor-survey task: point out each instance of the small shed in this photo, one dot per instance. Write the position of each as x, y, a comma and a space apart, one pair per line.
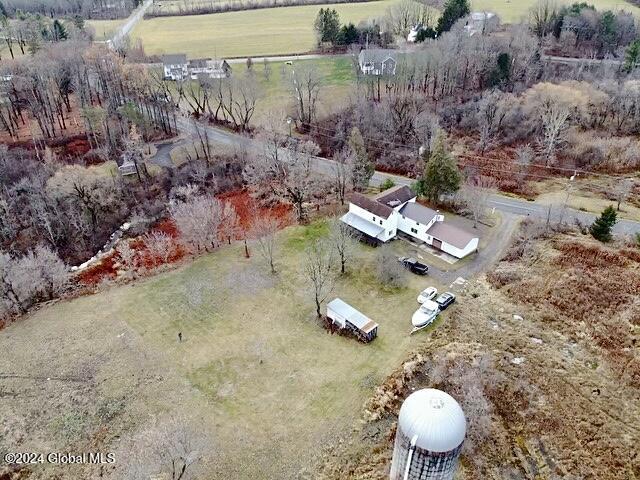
345, 316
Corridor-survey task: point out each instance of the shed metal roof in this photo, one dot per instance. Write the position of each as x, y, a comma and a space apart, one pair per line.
356, 318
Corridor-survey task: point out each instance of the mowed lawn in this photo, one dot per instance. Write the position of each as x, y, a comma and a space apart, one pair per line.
272, 31
105, 29
263, 379
516, 10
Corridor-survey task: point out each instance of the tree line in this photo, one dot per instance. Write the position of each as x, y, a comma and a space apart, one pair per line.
68, 8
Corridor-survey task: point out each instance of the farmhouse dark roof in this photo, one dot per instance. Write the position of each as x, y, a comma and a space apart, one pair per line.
370, 205
418, 213
174, 59
451, 234
199, 62
395, 196
376, 55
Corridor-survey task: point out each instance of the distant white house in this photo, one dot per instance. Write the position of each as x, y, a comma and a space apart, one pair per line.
377, 61
413, 33
395, 210
208, 68
481, 22
175, 67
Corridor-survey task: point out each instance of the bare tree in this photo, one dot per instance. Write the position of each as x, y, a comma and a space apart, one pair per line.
318, 270
285, 173
477, 193
168, 449
263, 231
622, 189
159, 246
343, 241
542, 17
127, 254
554, 118
198, 219
36, 276
306, 82
388, 270
341, 174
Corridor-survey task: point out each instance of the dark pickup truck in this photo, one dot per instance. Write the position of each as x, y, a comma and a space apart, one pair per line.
414, 265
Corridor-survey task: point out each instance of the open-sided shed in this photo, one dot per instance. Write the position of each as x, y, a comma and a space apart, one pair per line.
345, 316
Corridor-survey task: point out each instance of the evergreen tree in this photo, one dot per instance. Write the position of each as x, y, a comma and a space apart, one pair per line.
327, 25
601, 227
3, 11
59, 31
348, 35
632, 56
501, 74
441, 175
453, 11
78, 21
362, 169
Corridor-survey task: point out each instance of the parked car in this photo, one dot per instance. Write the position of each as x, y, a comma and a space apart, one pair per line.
414, 265
426, 314
427, 294
445, 299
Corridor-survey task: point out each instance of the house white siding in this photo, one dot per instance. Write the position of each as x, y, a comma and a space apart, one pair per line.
471, 247
389, 224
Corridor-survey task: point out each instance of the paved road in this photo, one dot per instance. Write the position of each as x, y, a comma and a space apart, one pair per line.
131, 22
510, 205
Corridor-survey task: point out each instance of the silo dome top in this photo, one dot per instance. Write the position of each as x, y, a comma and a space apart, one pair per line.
435, 417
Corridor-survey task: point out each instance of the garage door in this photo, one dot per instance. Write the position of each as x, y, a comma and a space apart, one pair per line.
437, 243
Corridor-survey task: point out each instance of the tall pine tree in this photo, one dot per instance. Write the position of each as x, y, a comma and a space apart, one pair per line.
361, 169
602, 226
453, 11
441, 175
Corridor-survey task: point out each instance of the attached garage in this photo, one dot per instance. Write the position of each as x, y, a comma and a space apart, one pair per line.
453, 240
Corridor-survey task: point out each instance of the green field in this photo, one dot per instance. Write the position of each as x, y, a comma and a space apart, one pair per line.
268, 384
515, 10
270, 31
104, 28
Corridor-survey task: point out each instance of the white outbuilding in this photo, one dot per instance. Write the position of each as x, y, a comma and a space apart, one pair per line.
345, 316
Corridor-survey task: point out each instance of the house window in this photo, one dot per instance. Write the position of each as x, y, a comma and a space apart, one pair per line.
417, 223
414, 230
380, 222
374, 219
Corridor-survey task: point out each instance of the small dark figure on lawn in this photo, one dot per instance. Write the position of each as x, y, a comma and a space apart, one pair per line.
179, 336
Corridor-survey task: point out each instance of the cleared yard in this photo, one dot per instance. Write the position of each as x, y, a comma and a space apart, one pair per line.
105, 29
272, 31
254, 369
515, 10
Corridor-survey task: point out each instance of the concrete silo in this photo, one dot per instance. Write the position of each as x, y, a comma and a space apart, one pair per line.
431, 429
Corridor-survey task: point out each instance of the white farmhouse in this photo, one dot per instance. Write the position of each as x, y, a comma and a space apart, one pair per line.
377, 61
395, 211
175, 67
208, 68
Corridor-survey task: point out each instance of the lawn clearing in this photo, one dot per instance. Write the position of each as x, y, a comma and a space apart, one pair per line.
105, 29
254, 368
515, 10
271, 31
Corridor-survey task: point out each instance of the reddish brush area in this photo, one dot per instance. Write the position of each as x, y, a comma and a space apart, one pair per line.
104, 269
247, 207
167, 226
